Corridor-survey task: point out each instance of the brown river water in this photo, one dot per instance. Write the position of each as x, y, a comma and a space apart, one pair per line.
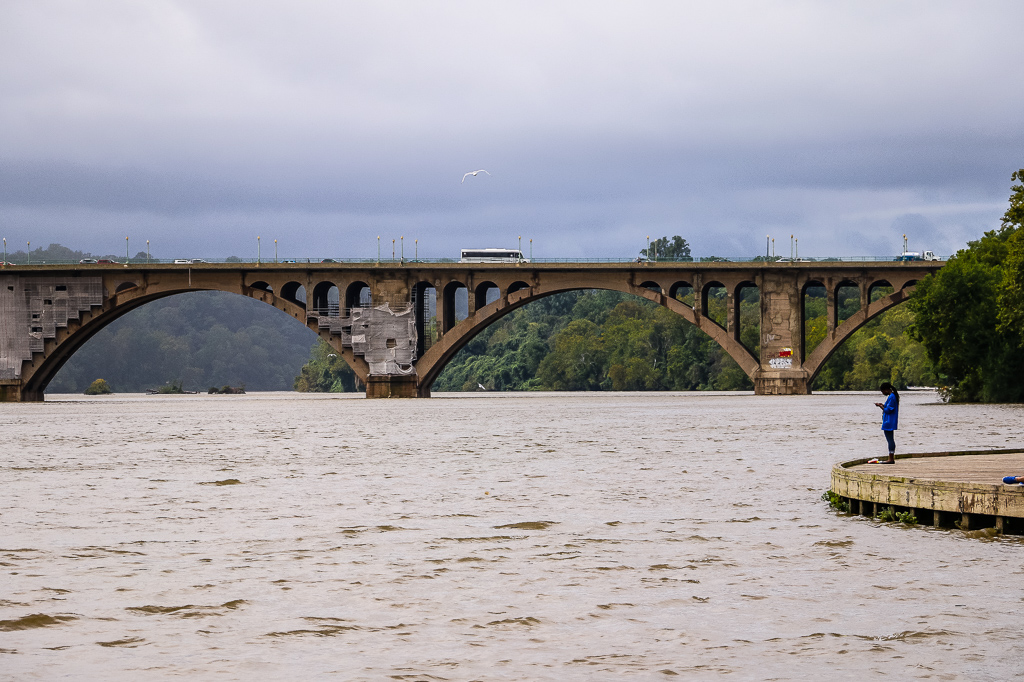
281, 536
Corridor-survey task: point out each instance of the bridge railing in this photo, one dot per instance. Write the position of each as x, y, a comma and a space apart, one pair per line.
369, 261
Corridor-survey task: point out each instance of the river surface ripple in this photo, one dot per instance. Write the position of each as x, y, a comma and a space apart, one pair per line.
499, 537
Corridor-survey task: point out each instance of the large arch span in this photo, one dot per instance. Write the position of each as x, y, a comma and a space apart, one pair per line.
433, 362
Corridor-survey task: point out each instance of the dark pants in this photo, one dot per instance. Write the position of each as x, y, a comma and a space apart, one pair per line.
891, 441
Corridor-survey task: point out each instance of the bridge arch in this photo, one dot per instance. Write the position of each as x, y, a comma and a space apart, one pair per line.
358, 295
43, 367
294, 292
326, 299
448, 295
680, 290
483, 291
814, 362
652, 285
432, 363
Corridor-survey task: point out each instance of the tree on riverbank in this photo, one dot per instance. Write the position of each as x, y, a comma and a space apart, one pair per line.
970, 314
325, 372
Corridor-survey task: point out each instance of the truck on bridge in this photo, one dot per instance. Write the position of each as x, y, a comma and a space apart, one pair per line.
914, 255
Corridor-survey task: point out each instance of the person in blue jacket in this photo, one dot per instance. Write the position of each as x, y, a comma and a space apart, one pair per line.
890, 418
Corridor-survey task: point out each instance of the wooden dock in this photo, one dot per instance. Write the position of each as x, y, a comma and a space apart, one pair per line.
945, 489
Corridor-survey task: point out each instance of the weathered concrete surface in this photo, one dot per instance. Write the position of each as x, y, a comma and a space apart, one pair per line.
954, 482
782, 368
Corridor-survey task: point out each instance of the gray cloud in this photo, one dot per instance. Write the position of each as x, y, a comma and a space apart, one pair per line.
201, 124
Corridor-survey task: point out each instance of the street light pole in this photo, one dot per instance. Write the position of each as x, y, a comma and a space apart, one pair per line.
5, 252
147, 252
392, 250
275, 251
773, 247
29, 255
531, 248
126, 256
378, 249
258, 254
767, 238
402, 238
417, 250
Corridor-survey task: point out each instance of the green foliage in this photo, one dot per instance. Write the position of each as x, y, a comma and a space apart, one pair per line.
836, 502
98, 387
593, 340
674, 249
325, 372
890, 515
171, 388
970, 314
55, 253
879, 351
227, 390
907, 517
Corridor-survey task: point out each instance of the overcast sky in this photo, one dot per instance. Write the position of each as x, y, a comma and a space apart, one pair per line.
201, 124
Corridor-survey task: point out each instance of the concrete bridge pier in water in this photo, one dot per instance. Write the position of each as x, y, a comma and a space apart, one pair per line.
398, 324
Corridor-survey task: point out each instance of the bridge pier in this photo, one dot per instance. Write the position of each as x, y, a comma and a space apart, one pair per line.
392, 386
782, 336
781, 385
14, 392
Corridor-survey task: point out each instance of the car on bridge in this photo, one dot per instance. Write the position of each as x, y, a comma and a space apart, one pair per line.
87, 261
107, 261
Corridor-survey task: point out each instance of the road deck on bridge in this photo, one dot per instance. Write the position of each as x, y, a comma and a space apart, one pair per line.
943, 489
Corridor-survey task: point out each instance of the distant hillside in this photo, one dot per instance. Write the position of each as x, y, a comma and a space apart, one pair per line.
205, 338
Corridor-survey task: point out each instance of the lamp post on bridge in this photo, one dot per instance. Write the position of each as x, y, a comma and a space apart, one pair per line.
378, 249
402, 238
392, 250
126, 256
417, 256
5, 252
531, 248
28, 253
147, 252
767, 239
257, 250
275, 250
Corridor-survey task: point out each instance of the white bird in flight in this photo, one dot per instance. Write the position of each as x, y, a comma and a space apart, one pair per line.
473, 173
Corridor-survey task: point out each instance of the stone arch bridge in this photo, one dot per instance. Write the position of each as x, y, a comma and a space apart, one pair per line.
378, 315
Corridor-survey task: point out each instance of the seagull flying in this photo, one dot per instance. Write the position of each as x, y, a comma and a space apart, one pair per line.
473, 173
